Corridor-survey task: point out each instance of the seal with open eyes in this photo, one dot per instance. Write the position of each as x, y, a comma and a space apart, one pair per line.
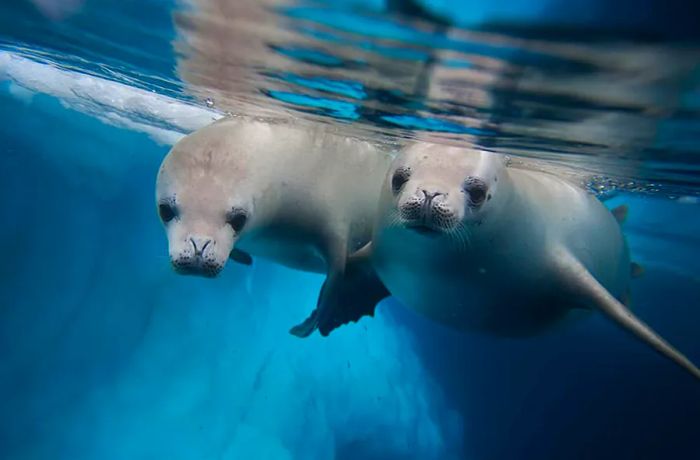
304, 198
478, 246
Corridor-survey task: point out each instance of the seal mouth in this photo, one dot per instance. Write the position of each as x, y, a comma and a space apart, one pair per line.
424, 228
194, 269
426, 216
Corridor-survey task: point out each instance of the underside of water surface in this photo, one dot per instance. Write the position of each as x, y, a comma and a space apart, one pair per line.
107, 353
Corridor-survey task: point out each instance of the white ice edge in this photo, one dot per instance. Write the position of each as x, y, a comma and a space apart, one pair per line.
111, 102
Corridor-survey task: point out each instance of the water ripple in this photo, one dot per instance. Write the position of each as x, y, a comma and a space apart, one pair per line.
619, 109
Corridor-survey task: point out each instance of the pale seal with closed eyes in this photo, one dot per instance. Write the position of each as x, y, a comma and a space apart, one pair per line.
304, 198
479, 246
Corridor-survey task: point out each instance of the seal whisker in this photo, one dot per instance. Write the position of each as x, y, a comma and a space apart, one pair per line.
455, 237
463, 231
395, 220
464, 236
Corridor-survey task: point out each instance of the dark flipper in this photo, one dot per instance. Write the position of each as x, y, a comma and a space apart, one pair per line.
325, 302
636, 270
620, 213
307, 327
241, 257
346, 298
357, 295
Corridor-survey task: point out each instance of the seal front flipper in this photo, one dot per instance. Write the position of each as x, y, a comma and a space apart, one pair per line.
582, 283
309, 325
325, 304
357, 295
241, 257
346, 296
336, 255
636, 270
620, 213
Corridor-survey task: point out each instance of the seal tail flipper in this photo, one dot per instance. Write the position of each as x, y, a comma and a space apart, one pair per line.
620, 213
582, 283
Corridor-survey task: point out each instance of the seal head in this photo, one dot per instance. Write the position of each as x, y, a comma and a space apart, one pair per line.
442, 192
203, 204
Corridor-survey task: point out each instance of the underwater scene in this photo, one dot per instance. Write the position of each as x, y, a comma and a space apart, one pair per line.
352, 229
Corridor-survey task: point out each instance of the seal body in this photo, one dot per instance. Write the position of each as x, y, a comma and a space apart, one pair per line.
479, 246
496, 277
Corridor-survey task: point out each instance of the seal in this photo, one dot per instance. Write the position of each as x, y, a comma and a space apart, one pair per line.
479, 246
304, 198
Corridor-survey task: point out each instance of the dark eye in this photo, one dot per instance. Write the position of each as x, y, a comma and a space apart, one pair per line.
476, 189
166, 212
237, 219
400, 177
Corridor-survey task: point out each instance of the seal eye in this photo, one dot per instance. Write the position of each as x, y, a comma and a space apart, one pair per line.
166, 212
237, 219
400, 177
476, 189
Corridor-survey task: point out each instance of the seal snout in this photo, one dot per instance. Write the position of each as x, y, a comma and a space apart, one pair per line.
427, 211
430, 195
197, 258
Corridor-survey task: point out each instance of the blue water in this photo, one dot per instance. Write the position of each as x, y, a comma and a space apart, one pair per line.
106, 353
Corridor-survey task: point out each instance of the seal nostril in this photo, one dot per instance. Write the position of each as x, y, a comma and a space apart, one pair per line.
430, 196
199, 251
